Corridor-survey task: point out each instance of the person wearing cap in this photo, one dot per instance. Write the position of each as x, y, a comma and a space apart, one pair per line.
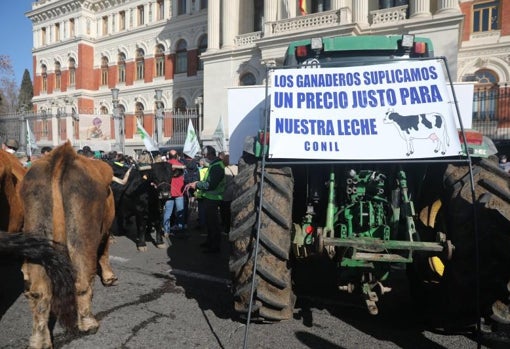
10, 146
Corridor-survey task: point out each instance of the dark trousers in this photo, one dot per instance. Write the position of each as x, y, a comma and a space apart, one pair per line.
212, 222
226, 215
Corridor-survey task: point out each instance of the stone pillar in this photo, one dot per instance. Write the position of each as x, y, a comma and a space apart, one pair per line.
230, 22
213, 25
270, 15
338, 4
270, 10
292, 8
360, 12
448, 7
419, 8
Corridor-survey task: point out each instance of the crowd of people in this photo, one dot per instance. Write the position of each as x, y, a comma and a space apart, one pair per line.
202, 184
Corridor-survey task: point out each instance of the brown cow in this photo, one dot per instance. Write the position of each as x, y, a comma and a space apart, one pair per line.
11, 210
67, 198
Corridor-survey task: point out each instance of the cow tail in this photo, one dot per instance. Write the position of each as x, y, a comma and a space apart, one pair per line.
59, 236
59, 221
55, 260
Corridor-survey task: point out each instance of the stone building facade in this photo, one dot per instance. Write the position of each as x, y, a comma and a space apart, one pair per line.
195, 50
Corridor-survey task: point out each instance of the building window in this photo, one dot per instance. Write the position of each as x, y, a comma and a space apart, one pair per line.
57, 31
104, 71
139, 112
203, 4
58, 76
321, 6
181, 7
71, 27
43, 36
486, 16
105, 25
160, 60
141, 15
202, 47
44, 78
121, 67
247, 79
140, 64
122, 20
160, 10
181, 57
180, 105
72, 72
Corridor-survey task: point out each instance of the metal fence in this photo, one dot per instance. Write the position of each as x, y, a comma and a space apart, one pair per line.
56, 128
491, 111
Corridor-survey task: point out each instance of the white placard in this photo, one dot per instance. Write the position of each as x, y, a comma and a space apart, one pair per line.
387, 111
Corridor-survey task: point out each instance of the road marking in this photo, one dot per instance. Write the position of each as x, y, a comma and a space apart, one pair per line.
194, 275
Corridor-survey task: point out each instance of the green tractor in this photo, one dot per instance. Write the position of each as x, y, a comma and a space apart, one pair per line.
367, 216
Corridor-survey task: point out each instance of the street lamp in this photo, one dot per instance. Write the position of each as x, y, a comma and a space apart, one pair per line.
118, 121
159, 115
199, 102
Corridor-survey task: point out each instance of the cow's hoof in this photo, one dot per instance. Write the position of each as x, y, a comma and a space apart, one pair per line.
113, 281
142, 248
112, 239
88, 324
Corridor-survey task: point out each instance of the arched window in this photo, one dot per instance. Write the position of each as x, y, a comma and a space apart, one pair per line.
180, 104
44, 78
202, 47
485, 95
139, 112
160, 60
103, 110
181, 57
58, 76
121, 67
140, 64
247, 79
72, 72
104, 71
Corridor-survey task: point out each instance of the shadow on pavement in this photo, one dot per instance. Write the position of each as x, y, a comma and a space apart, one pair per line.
203, 276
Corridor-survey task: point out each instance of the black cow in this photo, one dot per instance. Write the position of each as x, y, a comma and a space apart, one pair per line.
429, 126
160, 177
131, 200
146, 187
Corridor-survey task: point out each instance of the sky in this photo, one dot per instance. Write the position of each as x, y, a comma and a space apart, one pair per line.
16, 36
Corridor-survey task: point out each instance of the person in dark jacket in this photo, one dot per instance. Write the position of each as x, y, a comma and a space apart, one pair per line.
211, 189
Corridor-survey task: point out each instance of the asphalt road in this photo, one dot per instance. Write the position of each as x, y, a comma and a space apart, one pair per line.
178, 297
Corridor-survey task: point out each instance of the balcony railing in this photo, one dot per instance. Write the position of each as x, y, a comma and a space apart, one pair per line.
389, 15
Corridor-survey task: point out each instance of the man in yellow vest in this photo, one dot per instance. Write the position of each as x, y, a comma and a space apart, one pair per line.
211, 189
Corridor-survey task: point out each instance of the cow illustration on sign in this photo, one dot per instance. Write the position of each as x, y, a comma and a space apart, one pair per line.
425, 126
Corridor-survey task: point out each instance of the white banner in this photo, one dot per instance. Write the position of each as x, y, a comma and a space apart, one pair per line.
386, 111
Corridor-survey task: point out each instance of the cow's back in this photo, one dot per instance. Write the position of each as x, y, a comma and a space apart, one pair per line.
66, 196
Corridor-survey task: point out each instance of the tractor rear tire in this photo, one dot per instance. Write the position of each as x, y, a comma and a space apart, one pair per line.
456, 296
273, 297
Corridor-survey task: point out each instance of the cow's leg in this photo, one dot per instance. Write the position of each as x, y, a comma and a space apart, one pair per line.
85, 264
108, 277
160, 243
38, 293
409, 145
141, 244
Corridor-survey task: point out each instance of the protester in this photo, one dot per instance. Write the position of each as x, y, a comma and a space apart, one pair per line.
228, 194
10, 146
45, 150
504, 164
211, 188
177, 198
